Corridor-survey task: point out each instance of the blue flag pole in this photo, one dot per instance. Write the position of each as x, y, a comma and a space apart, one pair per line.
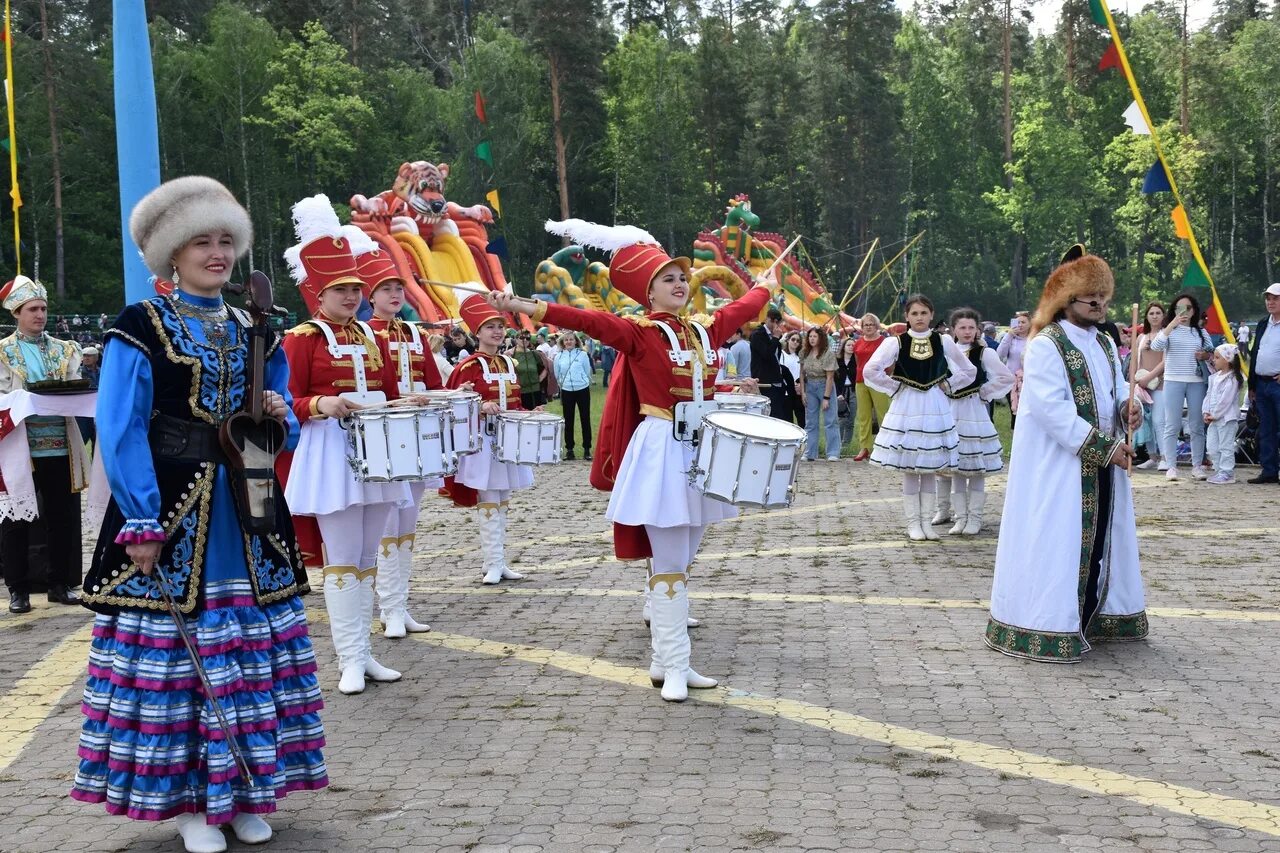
137, 133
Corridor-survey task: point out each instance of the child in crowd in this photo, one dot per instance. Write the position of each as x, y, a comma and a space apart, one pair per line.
1222, 413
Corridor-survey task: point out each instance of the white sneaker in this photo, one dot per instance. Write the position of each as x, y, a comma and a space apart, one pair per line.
250, 829
1148, 465
1198, 472
1171, 474
198, 836
1163, 466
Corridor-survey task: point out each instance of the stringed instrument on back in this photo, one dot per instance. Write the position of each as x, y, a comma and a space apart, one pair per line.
251, 438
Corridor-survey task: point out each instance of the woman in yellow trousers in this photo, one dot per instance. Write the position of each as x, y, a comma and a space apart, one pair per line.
866, 397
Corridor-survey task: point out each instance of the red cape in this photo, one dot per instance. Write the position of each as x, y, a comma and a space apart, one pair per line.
617, 424
305, 528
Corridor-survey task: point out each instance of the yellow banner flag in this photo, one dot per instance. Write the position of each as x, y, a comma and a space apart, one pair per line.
492, 198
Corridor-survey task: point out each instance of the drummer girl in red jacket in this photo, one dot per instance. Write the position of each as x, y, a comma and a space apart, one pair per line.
483, 481
656, 514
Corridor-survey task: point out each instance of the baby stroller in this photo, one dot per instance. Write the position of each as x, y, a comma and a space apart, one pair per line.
1247, 452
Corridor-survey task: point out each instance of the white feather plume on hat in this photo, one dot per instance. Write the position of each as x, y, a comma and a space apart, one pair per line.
168, 217
293, 257
314, 217
359, 240
610, 238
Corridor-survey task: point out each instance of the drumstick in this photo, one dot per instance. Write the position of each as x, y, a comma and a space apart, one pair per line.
779, 259
1133, 376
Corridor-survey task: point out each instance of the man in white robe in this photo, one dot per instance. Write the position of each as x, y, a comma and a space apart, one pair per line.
1067, 571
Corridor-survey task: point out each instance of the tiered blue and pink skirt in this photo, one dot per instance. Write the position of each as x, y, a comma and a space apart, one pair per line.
151, 746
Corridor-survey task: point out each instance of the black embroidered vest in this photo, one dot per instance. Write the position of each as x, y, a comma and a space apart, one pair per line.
976, 350
921, 363
203, 384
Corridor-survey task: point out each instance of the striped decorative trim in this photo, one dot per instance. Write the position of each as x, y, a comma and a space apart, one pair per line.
1044, 646
1108, 628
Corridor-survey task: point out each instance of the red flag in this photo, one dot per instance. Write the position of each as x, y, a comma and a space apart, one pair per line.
480, 114
1111, 58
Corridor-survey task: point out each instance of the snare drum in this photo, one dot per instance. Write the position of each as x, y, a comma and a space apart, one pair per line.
465, 408
406, 443
527, 438
747, 460
756, 404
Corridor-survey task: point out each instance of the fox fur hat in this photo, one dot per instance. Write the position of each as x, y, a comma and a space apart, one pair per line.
1078, 273
168, 217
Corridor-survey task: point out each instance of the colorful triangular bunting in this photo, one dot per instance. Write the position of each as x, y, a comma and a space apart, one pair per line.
1111, 58
1096, 12
485, 152
494, 202
1133, 117
1195, 276
1157, 180
480, 113
1181, 227
497, 246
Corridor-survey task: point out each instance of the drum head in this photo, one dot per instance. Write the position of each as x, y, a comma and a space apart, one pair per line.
755, 426
529, 416
740, 399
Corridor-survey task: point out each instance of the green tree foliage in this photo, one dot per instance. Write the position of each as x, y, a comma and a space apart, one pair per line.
844, 120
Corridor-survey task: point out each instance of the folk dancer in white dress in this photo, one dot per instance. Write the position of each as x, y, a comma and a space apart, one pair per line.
965, 492
918, 436
1067, 572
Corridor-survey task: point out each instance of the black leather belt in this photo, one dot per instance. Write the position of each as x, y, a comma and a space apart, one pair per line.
180, 440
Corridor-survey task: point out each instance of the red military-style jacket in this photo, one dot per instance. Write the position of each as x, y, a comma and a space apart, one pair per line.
314, 373
472, 369
647, 382
422, 365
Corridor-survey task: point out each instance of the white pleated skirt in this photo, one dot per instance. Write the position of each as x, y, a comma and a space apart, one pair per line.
980, 450
321, 481
483, 470
918, 434
652, 486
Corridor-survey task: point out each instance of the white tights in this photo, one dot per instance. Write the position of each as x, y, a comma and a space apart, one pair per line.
914, 484
403, 520
351, 536
674, 547
975, 483
493, 496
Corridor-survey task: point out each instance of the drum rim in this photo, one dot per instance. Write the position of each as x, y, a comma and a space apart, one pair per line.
799, 434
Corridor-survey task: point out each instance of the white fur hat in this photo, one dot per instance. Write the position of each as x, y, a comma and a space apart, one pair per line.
168, 217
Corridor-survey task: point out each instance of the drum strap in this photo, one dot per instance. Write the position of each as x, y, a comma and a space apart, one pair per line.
356, 351
405, 352
681, 356
501, 379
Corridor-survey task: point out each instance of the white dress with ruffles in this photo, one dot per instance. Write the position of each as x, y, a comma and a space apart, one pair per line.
918, 434
980, 449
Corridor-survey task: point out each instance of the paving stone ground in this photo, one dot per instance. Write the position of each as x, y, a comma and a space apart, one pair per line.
484, 750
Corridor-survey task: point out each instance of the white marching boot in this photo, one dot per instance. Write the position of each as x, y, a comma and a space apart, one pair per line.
928, 502
943, 497
489, 526
411, 625
977, 500
668, 628
342, 601
508, 574
911, 511
392, 593
250, 828
960, 500
372, 669
647, 613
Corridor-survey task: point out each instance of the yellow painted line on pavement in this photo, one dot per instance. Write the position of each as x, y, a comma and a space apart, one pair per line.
1151, 793
834, 598
34, 697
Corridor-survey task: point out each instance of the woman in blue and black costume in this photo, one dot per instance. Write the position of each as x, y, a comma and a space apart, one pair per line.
175, 367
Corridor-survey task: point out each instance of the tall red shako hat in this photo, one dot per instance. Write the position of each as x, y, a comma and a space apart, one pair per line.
322, 258
475, 312
373, 263
637, 255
